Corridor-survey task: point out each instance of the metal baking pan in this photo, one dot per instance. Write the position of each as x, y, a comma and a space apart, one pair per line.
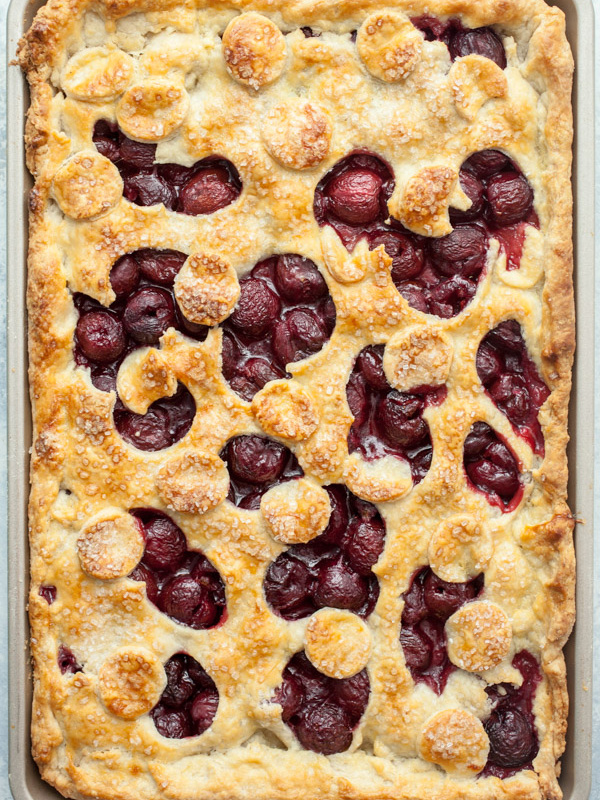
25, 781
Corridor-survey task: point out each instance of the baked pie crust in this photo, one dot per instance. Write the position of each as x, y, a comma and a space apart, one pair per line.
232, 180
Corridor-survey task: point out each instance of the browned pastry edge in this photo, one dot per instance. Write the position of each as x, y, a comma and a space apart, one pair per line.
552, 66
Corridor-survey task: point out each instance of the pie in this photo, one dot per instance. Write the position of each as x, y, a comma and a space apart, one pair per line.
301, 335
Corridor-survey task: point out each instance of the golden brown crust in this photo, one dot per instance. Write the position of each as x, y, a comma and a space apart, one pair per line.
92, 736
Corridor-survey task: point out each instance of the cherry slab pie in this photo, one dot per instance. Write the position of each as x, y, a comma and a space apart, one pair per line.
301, 333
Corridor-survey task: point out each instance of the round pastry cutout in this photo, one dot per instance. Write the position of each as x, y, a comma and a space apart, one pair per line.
479, 636
297, 134
86, 185
254, 50
337, 642
131, 682
206, 289
152, 110
286, 409
296, 511
110, 546
389, 45
97, 73
456, 741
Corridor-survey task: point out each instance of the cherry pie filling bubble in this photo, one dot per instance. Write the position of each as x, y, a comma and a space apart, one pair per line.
388, 422
492, 467
462, 41
144, 309
510, 377
205, 187
428, 603
335, 568
181, 583
284, 314
67, 663
321, 711
255, 464
511, 726
435, 276
48, 592
189, 702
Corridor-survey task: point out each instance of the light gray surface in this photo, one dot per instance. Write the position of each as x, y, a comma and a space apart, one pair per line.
4, 610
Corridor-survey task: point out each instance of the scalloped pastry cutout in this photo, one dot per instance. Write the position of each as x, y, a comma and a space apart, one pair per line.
131, 682
474, 80
97, 73
456, 741
254, 50
87, 184
460, 548
389, 45
416, 356
479, 636
337, 642
207, 289
152, 110
386, 478
193, 482
297, 134
144, 377
285, 409
423, 206
110, 545
296, 511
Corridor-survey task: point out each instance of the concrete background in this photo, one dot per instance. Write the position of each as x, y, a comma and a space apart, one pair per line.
5, 793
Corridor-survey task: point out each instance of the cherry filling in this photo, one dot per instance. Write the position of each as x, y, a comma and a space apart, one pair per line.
67, 663
435, 276
166, 421
48, 593
255, 464
189, 702
511, 379
388, 422
322, 712
511, 726
205, 187
182, 583
284, 314
492, 467
428, 603
334, 569
352, 197
462, 41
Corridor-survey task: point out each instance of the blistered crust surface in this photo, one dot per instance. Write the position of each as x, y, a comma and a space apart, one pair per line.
92, 736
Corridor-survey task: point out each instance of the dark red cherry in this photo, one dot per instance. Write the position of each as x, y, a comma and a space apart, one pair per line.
207, 192
203, 709
461, 252
288, 585
259, 372
364, 544
142, 573
513, 741
148, 189
493, 478
180, 685
124, 276
165, 544
417, 649
398, 428
487, 162
138, 154
370, 363
170, 723
510, 197
67, 663
475, 191
150, 431
160, 266
406, 255
108, 148
324, 728
449, 297
481, 42
489, 364
255, 459
510, 393
443, 598
354, 195
48, 592
148, 314
338, 519
289, 696
298, 335
339, 586
184, 599
353, 694
298, 280
100, 336
257, 308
